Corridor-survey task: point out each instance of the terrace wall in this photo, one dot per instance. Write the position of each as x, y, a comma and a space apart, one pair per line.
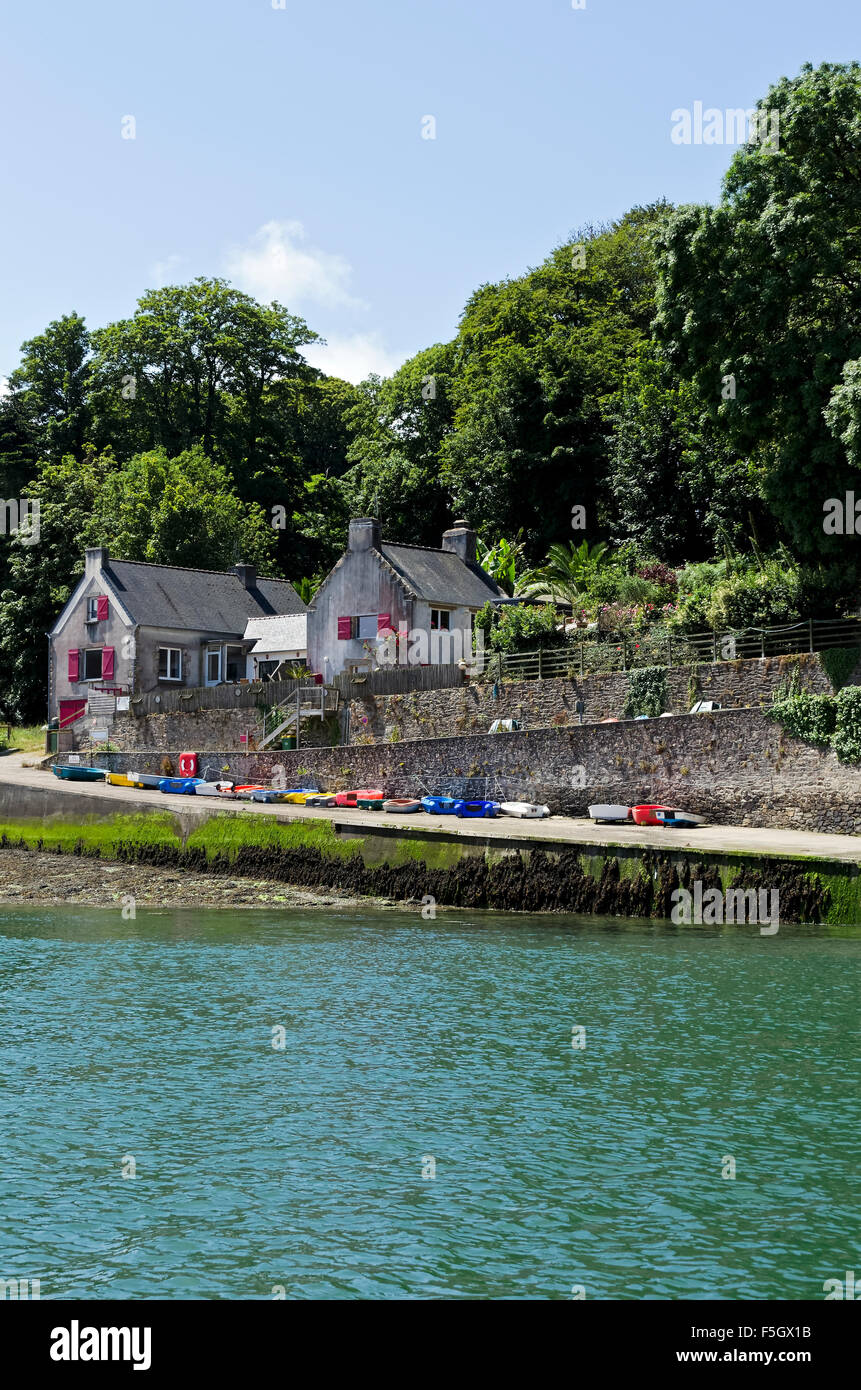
736, 767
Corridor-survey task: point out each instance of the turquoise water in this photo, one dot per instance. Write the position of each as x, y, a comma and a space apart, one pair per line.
303, 1167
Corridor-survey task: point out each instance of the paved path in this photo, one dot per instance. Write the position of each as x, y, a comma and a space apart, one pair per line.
712, 838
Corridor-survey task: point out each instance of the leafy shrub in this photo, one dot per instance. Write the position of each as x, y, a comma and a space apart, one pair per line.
755, 598
519, 627
806, 716
847, 736
647, 692
662, 576
838, 664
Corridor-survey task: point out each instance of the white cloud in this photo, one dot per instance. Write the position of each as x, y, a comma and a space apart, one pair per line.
274, 264
163, 272
352, 356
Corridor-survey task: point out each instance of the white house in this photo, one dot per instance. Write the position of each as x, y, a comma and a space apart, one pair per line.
280, 642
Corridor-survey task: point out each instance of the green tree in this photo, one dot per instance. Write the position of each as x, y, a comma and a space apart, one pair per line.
535, 359
759, 299
401, 423
50, 388
194, 365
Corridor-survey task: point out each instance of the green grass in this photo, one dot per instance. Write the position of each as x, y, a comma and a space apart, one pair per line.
28, 738
97, 837
227, 835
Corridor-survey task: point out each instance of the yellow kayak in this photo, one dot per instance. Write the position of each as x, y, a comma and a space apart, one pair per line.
119, 779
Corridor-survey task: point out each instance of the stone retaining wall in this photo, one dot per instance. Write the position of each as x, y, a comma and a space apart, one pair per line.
211, 728
735, 767
472, 708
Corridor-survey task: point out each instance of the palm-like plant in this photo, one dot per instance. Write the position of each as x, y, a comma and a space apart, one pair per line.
504, 561
306, 588
567, 572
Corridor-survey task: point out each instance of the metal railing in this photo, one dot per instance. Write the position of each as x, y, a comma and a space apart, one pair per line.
308, 702
624, 651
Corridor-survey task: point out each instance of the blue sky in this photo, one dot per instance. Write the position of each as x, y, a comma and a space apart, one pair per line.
283, 147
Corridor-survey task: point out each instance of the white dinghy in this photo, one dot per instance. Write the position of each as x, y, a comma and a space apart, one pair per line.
610, 813
526, 810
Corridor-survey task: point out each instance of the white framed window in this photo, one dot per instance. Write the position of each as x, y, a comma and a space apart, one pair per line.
169, 664
93, 609
367, 626
213, 666
440, 618
92, 664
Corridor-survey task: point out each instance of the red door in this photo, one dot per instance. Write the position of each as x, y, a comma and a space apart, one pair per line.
70, 710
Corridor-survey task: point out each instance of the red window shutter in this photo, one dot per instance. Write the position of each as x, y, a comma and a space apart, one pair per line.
107, 662
345, 629
73, 664
102, 608
384, 621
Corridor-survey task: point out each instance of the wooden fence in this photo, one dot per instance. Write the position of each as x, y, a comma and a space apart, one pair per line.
395, 680
585, 654
625, 651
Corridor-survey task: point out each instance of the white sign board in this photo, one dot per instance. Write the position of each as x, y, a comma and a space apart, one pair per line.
122, 702
100, 735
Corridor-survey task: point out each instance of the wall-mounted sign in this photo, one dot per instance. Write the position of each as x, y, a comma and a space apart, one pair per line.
100, 735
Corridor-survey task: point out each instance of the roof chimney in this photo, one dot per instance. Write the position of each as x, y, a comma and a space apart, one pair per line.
96, 558
461, 539
248, 575
365, 534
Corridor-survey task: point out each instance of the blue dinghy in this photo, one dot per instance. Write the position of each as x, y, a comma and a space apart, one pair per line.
439, 805
476, 808
78, 774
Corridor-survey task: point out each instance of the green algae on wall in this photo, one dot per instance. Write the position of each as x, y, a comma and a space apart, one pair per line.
535, 877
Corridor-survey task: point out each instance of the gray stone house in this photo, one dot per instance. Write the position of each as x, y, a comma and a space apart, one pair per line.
131, 628
377, 588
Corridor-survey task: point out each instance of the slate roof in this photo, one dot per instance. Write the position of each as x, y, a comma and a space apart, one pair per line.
441, 576
287, 633
198, 600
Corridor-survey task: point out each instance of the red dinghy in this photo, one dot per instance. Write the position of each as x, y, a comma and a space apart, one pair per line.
652, 815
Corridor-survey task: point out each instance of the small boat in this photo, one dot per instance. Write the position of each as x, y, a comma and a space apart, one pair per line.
526, 810
121, 779
79, 774
244, 792
320, 799
402, 803
685, 820
610, 813
152, 780
652, 815
299, 795
185, 786
476, 808
347, 800
222, 789
360, 798
268, 794
439, 805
